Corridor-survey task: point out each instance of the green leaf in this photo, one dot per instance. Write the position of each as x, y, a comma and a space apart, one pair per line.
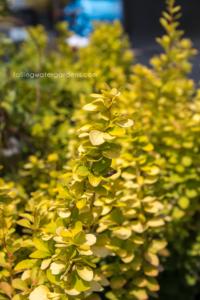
53, 278
40, 244
64, 193
20, 285
81, 285
111, 153
94, 179
77, 189
83, 171
102, 165
101, 190
5, 298
39, 254
117, 282
79, 237
85, 218
25, 264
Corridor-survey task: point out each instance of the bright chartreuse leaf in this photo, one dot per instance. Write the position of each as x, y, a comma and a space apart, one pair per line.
81, 203
25, 264
116, 131
83, 171
94, 179
19, 285
40, 254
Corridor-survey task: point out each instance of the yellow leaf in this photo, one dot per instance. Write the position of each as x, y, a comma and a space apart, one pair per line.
125, 123
107, 136
152, 258
97, 105
80, 204
157, 245
138, 227
122, 233
152, 284
183, 202
140, 282
94, 179
85, 272
39, 293
150, 271
71, 292
67, 175
148, 147
117, 131
155, 222
64, 213
96, 137
139, 294
90, 239
57, 267
129, 257
45, 264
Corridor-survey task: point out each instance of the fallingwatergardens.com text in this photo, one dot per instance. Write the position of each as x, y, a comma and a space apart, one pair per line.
53, 75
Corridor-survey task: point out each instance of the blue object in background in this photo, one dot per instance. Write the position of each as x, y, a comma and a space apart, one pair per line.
81, 13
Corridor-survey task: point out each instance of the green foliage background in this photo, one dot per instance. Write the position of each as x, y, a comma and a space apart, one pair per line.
158, 165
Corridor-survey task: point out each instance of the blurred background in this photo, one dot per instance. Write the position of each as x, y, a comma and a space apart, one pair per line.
140, 20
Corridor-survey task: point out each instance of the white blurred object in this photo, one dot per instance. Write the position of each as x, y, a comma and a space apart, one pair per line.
77, 41
17, 34
13, 147
17, 4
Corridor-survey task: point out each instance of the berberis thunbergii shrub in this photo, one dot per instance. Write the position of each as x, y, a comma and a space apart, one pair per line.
94, 215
